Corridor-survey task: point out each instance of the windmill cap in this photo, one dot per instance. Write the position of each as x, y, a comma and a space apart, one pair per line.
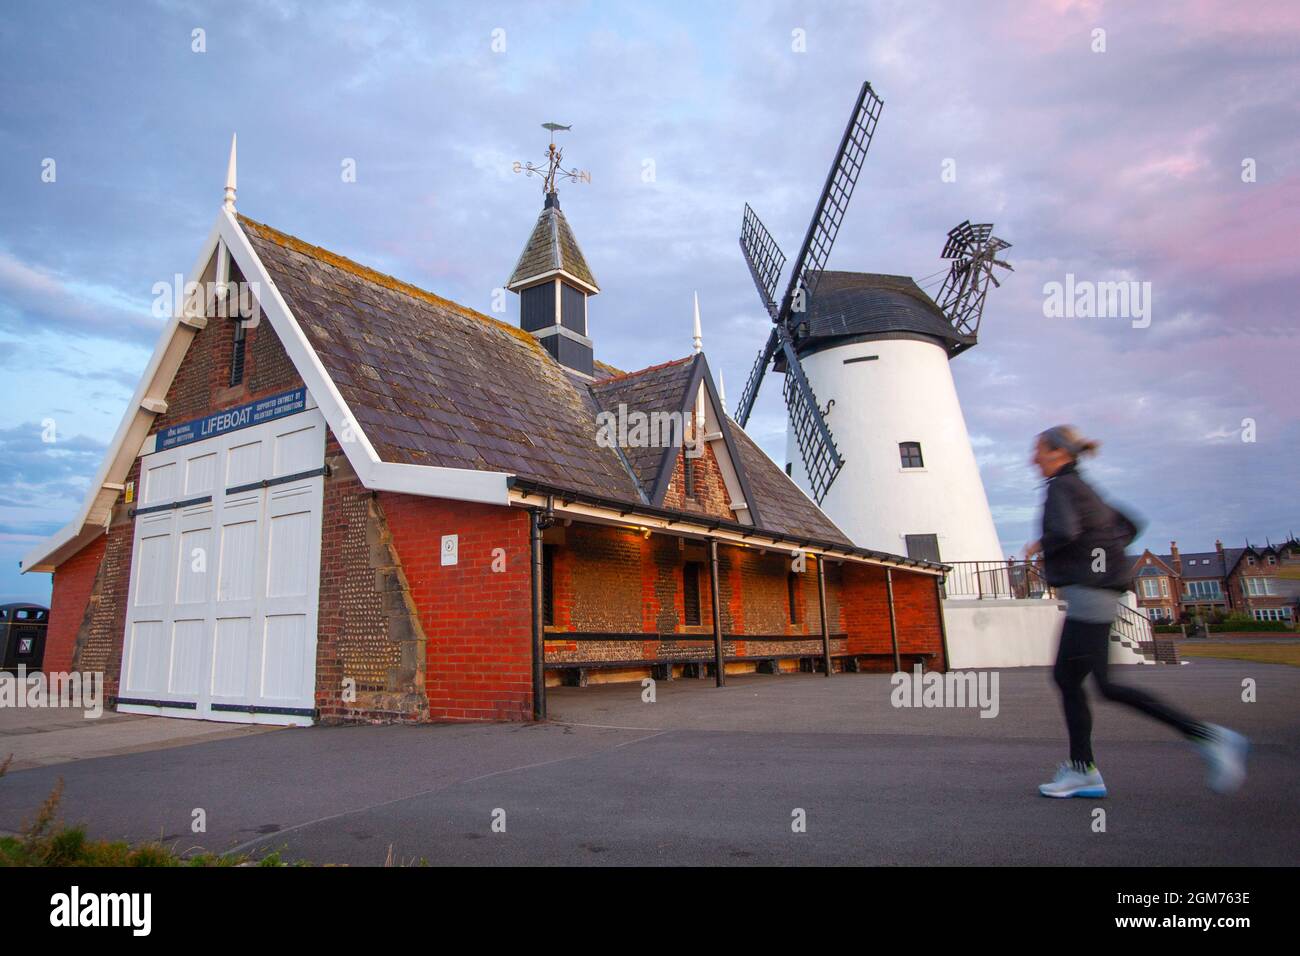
860, 306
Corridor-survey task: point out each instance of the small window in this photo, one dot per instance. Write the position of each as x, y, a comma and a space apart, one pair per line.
688, 474
548, 584
691, 592
1272, 560
792, 597
789, 468
910, 453
237, 353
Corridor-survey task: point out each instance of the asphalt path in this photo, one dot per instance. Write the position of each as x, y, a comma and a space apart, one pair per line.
785, 770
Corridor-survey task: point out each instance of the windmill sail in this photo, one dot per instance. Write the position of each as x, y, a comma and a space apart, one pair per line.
747, 397
764, 258
834, 201
822, 460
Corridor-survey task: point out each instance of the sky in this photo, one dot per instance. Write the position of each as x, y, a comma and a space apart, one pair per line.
1149, 143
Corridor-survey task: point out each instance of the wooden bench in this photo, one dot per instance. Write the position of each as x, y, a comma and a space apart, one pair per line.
851, 662
574, 673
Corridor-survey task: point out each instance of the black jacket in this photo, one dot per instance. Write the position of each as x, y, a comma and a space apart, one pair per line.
1083, 537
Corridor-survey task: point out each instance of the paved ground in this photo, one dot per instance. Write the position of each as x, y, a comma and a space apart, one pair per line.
39, 737
712, 777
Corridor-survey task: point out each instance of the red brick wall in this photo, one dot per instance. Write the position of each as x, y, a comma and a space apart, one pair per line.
609, 579
1243, 603
202, 384
477, 621
101, 627
368, 634
711, 495
916, 613
69, 603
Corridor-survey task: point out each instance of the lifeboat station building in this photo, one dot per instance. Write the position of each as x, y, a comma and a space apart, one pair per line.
338, 497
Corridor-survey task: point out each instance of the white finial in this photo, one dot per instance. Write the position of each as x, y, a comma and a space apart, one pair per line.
699, 342
722, 391
230, 177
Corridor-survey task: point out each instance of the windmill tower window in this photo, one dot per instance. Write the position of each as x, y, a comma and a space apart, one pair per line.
688, 474
791, 587
910, 453
691, 593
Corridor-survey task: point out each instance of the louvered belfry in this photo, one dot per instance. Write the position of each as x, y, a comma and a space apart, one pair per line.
553, 281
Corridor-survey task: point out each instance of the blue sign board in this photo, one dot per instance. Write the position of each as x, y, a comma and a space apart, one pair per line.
233, 419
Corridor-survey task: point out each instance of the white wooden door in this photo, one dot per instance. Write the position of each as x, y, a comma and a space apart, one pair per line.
225, 573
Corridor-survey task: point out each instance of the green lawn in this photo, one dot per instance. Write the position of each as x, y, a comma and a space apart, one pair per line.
1271, 652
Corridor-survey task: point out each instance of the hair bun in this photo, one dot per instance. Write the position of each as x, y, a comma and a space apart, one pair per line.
1067, 438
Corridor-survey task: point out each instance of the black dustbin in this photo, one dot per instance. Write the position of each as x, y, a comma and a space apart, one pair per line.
22, 636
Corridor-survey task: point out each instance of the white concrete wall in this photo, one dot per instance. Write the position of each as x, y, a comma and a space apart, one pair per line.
905, 394
1011, 633
1003, 633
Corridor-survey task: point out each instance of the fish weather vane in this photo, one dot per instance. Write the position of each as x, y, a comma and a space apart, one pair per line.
553, 170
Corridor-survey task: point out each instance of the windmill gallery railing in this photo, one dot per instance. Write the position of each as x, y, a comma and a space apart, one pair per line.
996, 579
1017, 579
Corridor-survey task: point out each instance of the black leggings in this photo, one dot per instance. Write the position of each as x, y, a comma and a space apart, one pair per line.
1084, 650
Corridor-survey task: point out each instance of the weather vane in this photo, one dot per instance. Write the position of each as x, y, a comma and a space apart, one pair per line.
553, 170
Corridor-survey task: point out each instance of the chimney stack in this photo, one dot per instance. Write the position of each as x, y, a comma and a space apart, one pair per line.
1177, 561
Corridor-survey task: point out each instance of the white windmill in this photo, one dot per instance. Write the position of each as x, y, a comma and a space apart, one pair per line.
887, 455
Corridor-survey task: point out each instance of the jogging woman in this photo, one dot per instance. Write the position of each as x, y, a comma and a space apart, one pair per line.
1082, 545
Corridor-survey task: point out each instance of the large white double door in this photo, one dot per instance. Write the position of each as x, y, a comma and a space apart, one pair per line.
225, 576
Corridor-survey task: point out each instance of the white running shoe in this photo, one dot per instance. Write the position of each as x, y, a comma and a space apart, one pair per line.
1225, 751
1069, 782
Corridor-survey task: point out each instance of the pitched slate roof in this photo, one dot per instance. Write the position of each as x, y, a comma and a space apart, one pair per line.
781, 503
551, 248
1198, 564
659, 388
431, 382
1230, 558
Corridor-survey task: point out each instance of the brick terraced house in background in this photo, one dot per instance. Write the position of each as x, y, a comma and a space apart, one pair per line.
371, 503
1261, 582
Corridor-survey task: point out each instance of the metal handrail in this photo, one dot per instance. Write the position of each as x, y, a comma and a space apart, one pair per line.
1132, 626
1009, 578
